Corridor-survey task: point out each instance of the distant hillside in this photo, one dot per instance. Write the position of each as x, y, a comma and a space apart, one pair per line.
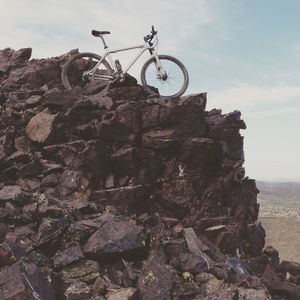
280, 215
279, 191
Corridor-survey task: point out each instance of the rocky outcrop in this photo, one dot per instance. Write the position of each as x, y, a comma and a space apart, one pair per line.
116, 193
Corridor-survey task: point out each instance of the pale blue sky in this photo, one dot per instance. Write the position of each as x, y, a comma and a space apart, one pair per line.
244, 53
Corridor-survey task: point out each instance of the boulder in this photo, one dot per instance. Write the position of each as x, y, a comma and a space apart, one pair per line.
67, 256
117, 236
40, 127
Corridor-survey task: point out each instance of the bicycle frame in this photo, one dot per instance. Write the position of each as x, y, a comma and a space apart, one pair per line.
144, 47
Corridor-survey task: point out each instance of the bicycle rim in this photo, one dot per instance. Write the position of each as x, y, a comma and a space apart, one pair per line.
75, 72
177, 76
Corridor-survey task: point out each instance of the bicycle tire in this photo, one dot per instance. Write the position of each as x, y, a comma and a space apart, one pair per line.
71, 78
159, 82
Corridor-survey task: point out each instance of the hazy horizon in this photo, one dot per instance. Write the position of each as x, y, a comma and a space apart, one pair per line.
245, 54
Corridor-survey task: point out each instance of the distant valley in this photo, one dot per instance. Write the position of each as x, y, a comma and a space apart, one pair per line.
279, 191
279, 199
280, 216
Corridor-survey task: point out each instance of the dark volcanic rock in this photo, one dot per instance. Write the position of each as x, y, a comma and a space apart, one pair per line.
49, 231
11, 193
68, 256
152, 190
25, 280
156, 280
10, 58
116, 237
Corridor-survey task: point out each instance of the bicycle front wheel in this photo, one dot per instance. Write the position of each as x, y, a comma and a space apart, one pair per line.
175, 81
75, 71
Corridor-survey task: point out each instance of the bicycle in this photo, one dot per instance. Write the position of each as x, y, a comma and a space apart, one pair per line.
164, 72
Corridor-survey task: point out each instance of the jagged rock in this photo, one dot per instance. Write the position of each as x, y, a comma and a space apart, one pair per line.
278, 287
25, 281
100, 285
11, 193
156, 280
122, 294
7, 256
49, 231
116, 237
30, 169
84, 270
33, 100
78, 291
272, 254
249, 294
290, 267
80, 231
3, 230
101, 100
7, 136
40, 127
187, 290
10, 58
70, 180
68, 256
193, 263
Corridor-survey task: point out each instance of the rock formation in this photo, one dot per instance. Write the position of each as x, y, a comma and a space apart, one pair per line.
112, 192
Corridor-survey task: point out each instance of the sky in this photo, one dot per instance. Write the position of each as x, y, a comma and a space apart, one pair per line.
244, 54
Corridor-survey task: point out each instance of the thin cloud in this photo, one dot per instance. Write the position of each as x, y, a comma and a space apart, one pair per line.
245, 96
296, 51
54, 27
283, 112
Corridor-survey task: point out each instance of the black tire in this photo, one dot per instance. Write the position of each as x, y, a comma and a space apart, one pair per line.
72, 71
149, 77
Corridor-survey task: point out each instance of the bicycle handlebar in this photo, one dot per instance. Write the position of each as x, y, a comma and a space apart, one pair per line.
149, 38
153, 31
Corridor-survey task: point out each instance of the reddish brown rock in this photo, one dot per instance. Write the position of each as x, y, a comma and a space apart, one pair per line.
40, 127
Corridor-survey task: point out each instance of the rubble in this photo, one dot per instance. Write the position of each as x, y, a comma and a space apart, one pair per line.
117, 193
24, 280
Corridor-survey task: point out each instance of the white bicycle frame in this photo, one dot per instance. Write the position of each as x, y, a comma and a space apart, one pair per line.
144, 47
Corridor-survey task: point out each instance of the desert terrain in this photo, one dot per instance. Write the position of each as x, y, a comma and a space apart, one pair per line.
280, 216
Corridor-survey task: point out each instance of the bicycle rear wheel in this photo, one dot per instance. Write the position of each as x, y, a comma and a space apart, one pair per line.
176, 81
73, 72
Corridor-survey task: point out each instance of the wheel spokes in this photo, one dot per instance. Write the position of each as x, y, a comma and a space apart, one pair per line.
175, 77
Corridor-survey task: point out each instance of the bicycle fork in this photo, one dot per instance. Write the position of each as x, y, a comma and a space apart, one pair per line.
160, 71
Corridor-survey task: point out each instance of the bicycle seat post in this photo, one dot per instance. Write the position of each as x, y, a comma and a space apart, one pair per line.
103, 41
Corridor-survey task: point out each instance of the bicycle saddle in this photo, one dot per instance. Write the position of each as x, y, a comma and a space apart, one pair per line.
99, 33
